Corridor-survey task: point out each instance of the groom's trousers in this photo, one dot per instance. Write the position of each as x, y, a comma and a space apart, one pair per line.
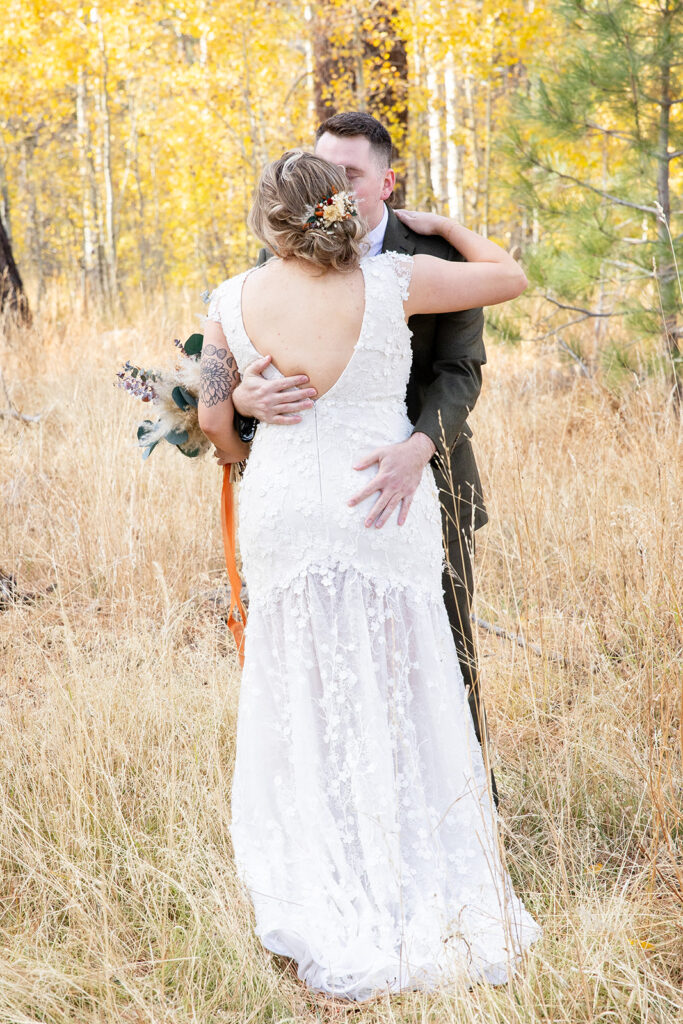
462, 512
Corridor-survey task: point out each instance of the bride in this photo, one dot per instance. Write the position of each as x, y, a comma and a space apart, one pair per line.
362, 822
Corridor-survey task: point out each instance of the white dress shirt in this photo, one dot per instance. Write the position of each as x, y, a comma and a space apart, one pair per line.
376, 236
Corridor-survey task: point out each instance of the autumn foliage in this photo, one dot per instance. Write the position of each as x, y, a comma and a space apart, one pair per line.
130, 157
132, 135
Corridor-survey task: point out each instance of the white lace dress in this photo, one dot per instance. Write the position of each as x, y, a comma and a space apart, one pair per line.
361, 821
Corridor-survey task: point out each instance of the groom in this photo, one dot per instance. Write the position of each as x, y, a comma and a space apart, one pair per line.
445, 381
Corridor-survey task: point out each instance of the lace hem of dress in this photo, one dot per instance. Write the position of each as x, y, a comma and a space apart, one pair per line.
383, 973
328, 574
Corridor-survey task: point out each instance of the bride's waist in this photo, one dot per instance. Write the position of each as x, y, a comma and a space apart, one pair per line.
305, 484
358, 427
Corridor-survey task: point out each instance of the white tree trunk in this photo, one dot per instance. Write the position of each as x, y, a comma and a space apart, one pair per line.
109, 212
453, 170
435, 128
89, 237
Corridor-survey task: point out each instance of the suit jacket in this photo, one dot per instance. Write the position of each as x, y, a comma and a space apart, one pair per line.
444, 384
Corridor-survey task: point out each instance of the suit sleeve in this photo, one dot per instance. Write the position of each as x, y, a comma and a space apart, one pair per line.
457, 358
459, 355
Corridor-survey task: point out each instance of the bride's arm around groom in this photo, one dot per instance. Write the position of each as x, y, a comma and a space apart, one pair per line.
490, 275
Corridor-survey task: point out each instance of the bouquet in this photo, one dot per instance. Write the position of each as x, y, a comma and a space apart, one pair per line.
176, 394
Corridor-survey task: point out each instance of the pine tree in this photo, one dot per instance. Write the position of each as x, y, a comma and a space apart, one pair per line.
596, 139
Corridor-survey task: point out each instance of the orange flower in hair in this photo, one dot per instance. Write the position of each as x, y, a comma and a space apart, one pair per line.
331, 209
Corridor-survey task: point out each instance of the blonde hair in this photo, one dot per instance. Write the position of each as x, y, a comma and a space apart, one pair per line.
289, 190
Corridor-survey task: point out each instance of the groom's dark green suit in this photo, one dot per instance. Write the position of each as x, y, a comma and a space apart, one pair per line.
444, 384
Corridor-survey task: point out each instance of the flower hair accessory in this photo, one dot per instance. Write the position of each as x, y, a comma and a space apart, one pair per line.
331, 209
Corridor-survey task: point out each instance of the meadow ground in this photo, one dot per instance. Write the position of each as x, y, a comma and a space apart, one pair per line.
119, 687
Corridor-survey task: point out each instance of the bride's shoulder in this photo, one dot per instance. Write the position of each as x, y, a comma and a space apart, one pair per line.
223, 293
229, 283
393, 266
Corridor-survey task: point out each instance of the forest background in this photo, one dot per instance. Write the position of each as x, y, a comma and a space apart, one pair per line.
133, 134
131, 137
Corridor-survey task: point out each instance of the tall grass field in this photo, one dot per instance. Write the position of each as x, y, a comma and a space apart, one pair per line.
119, 690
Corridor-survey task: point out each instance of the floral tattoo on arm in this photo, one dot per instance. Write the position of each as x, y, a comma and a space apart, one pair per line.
219, 375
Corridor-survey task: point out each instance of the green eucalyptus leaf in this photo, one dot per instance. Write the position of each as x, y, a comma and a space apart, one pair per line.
176, 437
143, 428
148, 451
190, 399
178, 396
191, 453
193, 345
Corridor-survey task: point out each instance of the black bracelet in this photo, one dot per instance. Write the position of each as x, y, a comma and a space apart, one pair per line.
245, 427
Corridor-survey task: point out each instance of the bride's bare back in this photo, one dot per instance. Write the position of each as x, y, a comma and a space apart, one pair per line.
308, 322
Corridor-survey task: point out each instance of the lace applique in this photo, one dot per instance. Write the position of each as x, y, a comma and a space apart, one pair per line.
403, 268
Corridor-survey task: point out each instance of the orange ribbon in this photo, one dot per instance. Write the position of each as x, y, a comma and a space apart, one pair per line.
235, 625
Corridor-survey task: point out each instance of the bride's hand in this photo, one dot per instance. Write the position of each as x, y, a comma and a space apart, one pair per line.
221, 457
421, 222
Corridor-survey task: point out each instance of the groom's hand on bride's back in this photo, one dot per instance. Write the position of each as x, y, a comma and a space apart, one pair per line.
398, 477
278, 400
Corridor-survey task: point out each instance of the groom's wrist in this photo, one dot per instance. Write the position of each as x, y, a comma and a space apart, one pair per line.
423, 445
237, 404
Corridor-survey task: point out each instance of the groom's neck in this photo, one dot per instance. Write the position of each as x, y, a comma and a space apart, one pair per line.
375, 218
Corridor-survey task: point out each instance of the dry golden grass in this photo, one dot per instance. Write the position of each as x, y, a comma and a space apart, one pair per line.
118, 695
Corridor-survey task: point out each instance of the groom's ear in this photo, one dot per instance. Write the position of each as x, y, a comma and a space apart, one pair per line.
388, 183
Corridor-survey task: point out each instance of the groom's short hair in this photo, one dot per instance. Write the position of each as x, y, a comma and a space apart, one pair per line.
356, 122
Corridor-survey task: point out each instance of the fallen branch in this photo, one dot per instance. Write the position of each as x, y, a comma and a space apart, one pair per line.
11, 595
12, 414
519, 640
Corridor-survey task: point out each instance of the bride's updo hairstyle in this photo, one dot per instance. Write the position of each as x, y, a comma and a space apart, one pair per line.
284, 212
